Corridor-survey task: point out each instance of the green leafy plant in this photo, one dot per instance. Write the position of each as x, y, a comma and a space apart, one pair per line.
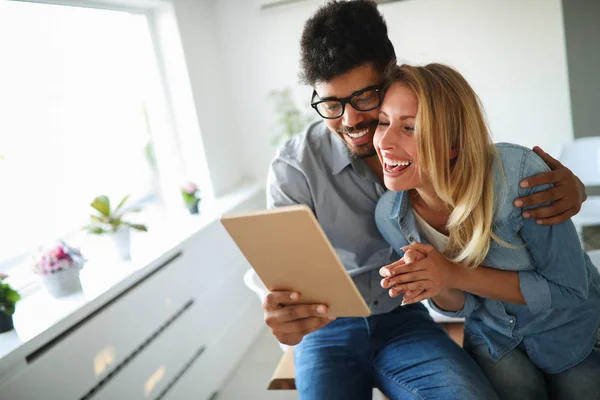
8, 297
106, 220
290, 119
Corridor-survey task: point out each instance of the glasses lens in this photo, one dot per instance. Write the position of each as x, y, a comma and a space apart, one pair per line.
366, 101
330, 109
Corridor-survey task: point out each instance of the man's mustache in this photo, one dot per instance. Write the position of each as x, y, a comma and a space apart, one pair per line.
357, 128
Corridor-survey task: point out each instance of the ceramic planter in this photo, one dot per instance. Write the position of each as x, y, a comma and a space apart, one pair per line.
121, 243
193, 209
62, 283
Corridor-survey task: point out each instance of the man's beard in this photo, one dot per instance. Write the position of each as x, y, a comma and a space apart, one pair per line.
365, 150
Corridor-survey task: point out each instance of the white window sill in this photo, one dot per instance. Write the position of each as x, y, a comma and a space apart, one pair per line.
39, 316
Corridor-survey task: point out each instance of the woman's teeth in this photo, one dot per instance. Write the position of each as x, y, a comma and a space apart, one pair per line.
396, 163
357, 135
396, 166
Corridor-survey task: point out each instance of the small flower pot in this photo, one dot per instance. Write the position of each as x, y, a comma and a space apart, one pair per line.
193, 209
62, 283
121, 241
6, 323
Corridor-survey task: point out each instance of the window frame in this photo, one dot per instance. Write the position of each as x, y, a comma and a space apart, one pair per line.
171, 160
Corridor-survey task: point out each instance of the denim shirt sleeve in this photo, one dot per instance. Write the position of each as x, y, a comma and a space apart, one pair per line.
287, 185
389, 226
472, 303
559, 280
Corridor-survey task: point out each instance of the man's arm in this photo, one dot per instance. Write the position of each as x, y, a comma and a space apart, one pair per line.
566, 195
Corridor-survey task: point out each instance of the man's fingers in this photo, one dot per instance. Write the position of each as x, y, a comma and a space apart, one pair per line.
291, 336
546, 196
292, 313
552, 162
544, 178
274, 300
557, 219
555, 209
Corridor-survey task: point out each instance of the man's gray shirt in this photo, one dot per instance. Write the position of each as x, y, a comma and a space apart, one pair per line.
317, 169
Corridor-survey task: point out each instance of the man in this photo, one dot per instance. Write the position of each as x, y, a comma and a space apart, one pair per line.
334, 170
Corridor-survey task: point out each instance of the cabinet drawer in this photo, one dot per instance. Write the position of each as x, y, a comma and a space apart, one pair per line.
157, 364
92, 348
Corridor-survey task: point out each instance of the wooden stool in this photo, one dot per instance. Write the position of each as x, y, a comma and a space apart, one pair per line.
283, 377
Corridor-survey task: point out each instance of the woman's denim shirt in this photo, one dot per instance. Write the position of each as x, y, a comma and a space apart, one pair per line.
558, 325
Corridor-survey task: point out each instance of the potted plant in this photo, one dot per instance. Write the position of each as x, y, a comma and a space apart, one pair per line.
111, 223
8, 299
290, 120
191, 197
58, 267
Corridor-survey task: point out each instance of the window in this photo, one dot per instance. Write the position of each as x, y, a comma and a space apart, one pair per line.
76, 85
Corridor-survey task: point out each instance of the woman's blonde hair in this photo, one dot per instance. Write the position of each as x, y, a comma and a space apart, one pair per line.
450, 118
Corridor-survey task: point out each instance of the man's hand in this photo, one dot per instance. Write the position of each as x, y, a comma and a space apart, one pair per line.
290, 322
566, 196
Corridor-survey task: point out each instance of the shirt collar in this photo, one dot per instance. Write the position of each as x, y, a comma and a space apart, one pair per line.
399, 206
341, 155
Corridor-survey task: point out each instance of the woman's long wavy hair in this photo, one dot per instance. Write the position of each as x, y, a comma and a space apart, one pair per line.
450, 117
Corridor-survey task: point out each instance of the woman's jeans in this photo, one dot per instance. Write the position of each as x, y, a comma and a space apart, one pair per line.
515, 377
404, 353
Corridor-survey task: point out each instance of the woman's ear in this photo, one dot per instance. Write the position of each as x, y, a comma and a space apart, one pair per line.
453, 154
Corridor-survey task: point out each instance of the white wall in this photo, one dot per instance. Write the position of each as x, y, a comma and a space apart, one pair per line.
260, 53
511, 51
196, 20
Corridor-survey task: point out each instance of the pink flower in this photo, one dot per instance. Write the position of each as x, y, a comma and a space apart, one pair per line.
56, 258
59, 253
190, 188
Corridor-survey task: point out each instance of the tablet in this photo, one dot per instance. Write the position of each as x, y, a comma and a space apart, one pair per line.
289, 251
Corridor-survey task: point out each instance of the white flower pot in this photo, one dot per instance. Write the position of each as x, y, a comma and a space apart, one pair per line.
121, 242
63, 282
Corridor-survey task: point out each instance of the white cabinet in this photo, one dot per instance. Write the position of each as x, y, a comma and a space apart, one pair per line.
175, 334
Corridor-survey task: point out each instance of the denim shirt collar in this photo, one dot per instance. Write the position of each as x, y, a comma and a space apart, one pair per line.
401, 211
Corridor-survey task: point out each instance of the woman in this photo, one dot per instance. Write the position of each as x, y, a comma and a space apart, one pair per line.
529, 293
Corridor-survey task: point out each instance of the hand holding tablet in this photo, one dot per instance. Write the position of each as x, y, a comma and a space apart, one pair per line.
290, 253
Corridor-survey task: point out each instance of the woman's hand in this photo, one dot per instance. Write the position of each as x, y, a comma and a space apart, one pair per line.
422, 279
389, 271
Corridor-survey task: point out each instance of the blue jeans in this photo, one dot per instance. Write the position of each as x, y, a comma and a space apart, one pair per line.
515, 377
404, 353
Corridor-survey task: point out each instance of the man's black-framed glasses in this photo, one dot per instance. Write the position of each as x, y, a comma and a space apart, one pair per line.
366, 99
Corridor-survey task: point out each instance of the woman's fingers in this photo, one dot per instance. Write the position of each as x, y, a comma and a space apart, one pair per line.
424, 295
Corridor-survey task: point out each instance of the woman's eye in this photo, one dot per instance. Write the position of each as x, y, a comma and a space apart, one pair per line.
381, 123
409, 128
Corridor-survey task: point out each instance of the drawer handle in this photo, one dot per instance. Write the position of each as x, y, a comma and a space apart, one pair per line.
40, 351
137, 351
181, 372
